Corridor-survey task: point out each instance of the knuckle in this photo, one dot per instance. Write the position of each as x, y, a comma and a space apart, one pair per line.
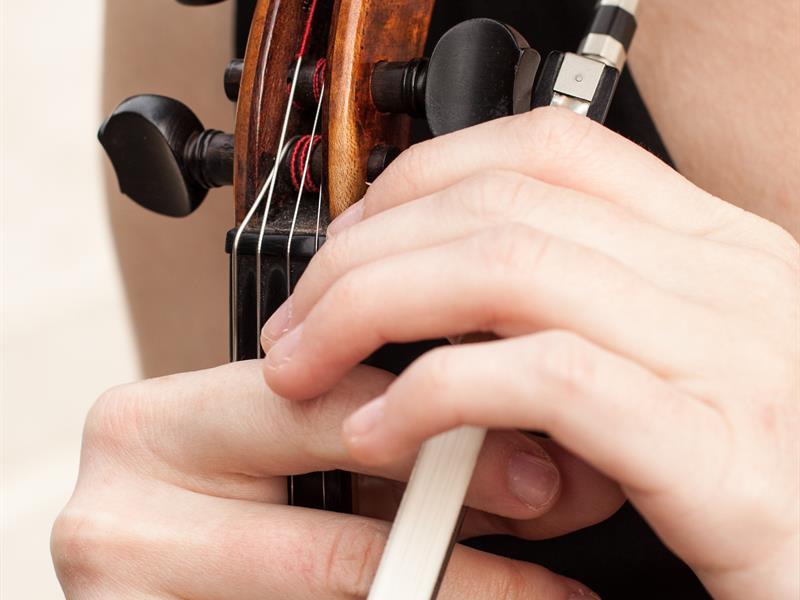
752, 230
781, 277
116, 419
431, 372
515, 246
786, 244
508, 583
348, 289
412, 163
78, 544
559, 132
352, 551
773, 276
333, 254
562, 357
493, 196
433, 376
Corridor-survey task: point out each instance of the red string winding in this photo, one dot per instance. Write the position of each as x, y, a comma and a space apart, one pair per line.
318, 79
307, 32
297, 162
304, 147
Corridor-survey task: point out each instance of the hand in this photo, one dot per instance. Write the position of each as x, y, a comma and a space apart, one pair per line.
650, 328
182, 486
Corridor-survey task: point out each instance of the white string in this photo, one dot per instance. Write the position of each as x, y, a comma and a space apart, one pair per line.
235, 255
289, 251
270, 194
300, 194
319, 213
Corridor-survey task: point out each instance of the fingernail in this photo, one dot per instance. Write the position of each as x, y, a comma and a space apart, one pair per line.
349, 217
533, 479
278, 324
583, 595
282, 351
363, 421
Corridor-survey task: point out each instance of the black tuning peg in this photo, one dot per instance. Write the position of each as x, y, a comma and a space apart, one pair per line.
163, 157
480, 70
233, 79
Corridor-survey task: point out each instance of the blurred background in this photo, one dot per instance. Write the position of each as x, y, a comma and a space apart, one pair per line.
82, 268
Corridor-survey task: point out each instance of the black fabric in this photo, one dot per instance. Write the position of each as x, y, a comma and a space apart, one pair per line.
621, 557
244, 14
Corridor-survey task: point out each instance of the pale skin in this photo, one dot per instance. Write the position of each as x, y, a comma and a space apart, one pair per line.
647, 323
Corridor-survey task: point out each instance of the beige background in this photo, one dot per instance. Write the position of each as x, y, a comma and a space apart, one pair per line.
66, 327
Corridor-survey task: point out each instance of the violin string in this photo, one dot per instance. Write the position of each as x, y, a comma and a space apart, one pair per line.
319, 211
289, 250
300, 193
304, 43
268, 190
235, 256
270, 194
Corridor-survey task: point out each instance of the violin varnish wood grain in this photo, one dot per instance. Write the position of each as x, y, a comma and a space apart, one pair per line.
367, 32
274, 38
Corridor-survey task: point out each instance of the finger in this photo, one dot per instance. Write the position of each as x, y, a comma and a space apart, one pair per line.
669, 260
475, 574
192, 546
558, 147
223, 433
530, 280
514, 479
612, 413
586, 498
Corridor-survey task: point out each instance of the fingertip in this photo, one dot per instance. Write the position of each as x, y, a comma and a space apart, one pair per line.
369, 440
352, 215
363, 454
285, 381
534, 480
363, 423
287, 371
281, 352
515, 478
367, 454
278, 325
362, 433
582, 593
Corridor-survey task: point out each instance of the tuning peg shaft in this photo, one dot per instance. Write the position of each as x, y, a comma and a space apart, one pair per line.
480, 70
163, 157
233, 79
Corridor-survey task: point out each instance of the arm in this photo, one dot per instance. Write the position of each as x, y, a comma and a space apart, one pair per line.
721, 80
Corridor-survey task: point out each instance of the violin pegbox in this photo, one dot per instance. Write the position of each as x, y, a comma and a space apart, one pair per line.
480, 70
365, 33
